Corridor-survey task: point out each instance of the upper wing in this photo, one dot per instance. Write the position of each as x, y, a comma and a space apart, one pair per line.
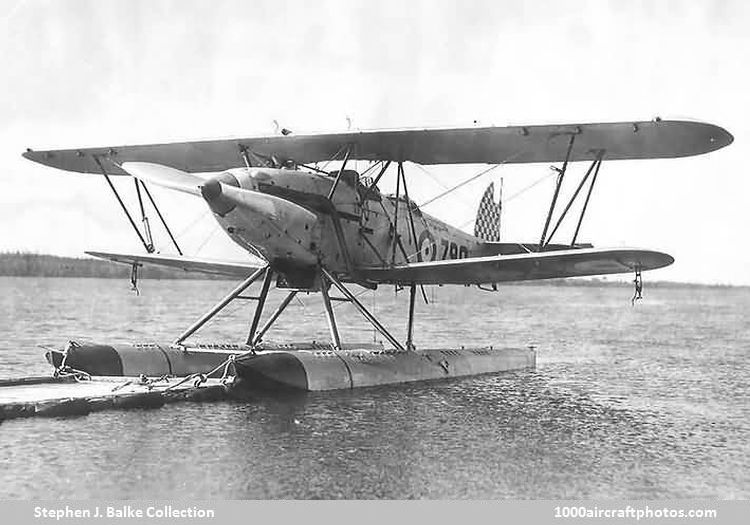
189, 264
521, 267
495, 145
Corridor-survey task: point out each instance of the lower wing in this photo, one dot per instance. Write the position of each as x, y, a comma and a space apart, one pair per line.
476, 270
189, 264
521, 267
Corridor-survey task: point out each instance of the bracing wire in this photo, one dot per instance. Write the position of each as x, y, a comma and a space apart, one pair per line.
439, 183
459, 185
193, 222
475, 177
516, 194
208, 238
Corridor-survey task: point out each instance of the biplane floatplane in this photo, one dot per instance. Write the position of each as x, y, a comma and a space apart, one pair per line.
313, 229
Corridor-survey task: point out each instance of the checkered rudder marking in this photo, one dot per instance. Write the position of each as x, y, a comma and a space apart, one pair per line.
487, 225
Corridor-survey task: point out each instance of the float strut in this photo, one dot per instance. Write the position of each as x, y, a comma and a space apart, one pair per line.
410, 325
329, 312
260, 333
259, 307
371, 318
220, 305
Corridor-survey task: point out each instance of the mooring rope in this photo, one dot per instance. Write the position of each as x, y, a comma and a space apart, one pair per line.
66, 371
200, 378
142, 380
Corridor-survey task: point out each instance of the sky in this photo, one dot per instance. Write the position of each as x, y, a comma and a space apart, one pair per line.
97, 73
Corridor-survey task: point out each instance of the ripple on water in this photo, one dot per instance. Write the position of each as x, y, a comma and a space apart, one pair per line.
625, 403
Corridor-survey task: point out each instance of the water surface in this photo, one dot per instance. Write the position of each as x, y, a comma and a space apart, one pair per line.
644, 402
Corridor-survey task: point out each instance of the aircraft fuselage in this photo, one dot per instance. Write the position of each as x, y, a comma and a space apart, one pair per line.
300, 228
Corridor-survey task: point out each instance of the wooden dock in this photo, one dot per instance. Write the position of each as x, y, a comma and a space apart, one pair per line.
67, 396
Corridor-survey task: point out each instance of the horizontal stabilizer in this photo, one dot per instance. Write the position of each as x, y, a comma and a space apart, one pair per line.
655, 139
189, 264
522, 267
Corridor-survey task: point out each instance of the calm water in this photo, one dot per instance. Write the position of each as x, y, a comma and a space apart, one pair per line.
645, 402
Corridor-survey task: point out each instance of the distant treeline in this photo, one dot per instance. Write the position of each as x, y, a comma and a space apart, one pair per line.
20, 264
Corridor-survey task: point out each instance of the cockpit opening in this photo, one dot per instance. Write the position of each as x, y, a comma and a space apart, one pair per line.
402, 199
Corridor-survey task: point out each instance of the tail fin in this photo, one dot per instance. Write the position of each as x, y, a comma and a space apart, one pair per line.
487, 224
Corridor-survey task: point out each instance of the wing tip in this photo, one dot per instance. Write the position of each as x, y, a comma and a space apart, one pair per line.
650, 259
717, 137
36, 156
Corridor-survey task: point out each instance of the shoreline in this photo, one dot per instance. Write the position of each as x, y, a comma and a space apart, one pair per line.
20, 264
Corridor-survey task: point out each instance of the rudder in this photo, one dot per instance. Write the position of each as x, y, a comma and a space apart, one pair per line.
487, 223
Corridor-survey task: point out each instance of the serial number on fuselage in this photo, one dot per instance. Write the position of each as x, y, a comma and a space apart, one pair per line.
428, 248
